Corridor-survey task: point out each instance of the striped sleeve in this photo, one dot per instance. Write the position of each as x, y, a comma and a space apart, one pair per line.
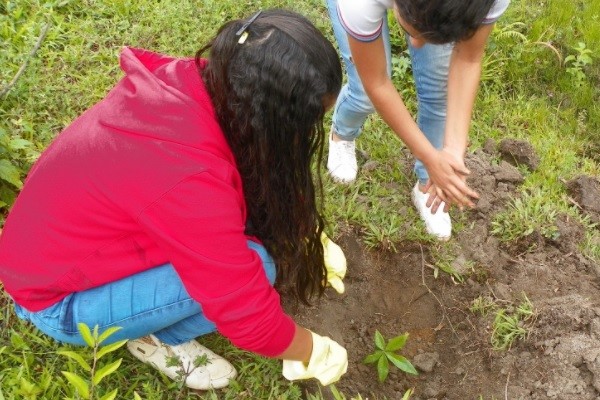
496, 11
362, 19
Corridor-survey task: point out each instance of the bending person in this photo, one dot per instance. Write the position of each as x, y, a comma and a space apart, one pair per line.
446, 40
168, 208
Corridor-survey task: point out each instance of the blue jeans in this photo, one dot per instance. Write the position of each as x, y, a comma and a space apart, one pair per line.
153, 301
430, 70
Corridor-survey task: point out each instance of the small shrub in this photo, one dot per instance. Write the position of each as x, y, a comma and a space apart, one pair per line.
386, 353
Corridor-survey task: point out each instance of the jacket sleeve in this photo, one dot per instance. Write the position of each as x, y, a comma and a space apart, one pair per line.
200, 223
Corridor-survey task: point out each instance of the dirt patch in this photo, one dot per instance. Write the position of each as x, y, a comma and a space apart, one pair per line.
450, 344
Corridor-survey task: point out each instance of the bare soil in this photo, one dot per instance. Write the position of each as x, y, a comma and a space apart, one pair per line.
396, 292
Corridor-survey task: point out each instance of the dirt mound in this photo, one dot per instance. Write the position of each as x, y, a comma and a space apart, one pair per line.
449, 342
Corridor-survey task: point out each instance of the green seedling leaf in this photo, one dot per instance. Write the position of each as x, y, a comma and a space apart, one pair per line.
77, 357
10, 174
86, 334
371, 358
106, 370
379, 340
407, 394
396, 343
17, 341
111, 396
28, 389
95, 333
19, 144
336, 393
109, 348
107, 333
136, 396
383, 368
80, 385
402, 363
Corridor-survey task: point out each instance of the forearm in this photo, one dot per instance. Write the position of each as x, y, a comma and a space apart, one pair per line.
371, 65
463, 82
300, 348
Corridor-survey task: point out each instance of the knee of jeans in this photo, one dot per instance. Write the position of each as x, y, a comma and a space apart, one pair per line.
432, 108
361, 102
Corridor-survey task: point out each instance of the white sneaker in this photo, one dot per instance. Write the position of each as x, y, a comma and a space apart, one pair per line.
213, 373
437, 224
341, 161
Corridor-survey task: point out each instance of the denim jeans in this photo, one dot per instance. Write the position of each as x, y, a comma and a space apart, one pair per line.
153, 301
430, 70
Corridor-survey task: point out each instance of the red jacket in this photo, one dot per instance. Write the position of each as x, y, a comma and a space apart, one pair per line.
142, 178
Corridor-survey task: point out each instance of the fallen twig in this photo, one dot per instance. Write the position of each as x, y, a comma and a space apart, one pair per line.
38, 44
506, 387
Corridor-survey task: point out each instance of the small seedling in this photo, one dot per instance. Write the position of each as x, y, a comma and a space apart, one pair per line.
182, 371
576, 63
88, 389
386, 353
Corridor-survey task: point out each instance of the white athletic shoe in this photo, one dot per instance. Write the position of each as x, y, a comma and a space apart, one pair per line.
438, 224
214, 372
341, 161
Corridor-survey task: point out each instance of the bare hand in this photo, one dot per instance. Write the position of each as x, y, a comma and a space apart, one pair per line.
447, 182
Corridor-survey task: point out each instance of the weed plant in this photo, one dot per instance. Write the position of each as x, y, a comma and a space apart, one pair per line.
510, 323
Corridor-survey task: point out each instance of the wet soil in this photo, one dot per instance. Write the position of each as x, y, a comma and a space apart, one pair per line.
449, 343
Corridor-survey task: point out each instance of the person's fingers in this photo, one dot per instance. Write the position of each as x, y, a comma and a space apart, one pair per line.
465, 194
436, 205
446, 207
337, 284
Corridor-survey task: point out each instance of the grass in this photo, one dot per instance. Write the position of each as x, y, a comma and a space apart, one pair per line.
533, 88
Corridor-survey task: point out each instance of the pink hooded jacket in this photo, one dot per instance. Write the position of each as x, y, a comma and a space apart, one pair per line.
142, 178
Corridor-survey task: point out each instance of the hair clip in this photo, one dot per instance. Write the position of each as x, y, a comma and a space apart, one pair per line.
242, 33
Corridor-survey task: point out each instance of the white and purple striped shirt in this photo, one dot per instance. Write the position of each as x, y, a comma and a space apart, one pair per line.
363, 19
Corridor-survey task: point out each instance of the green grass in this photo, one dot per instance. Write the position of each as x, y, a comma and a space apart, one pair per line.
527, 92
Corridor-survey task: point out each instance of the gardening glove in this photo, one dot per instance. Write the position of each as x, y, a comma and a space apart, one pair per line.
328, 362
335, 263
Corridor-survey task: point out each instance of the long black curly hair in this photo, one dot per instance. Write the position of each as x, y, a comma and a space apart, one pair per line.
270, 94
444, 21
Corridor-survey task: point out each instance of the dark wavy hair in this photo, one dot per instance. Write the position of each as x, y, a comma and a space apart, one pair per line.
444, 21
270, 95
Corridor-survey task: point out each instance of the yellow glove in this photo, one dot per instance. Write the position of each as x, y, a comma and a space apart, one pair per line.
335, 263
328, 362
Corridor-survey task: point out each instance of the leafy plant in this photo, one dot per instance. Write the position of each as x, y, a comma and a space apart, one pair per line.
88, 389
386, 352
16, 155
182, 372
575, 63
